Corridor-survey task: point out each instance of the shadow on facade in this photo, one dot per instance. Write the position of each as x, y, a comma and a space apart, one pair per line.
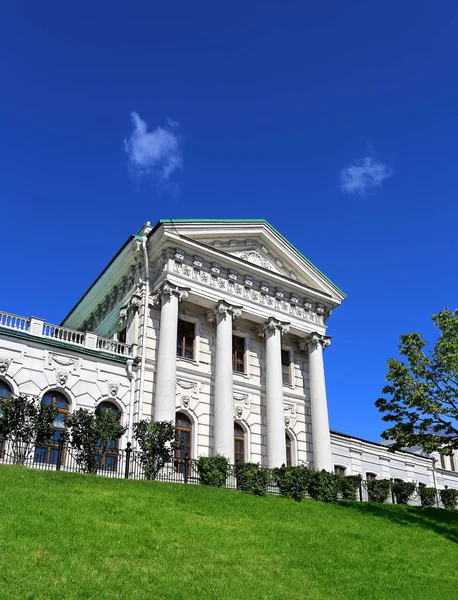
440, 521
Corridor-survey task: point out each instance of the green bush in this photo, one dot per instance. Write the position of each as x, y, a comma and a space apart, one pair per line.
252, 478
349, 485
213, 470
292, 481
449, 498
402, 491
428, 496
378, 489
323, 486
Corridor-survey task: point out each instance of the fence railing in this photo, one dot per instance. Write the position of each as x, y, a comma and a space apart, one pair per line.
127, 464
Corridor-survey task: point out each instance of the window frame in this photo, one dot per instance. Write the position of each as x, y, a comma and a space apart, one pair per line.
234, 358
247, 372
197, 334
289, 444
452, 463
115, 452
240, 438
442, 461
290, 382
343, 468
372, 476
53, 444
178, 459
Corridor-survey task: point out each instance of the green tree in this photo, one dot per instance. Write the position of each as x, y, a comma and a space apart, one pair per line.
157, 443
91, 434
423, 390
25, 423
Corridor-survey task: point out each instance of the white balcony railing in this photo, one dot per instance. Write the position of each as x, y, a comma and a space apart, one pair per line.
14, 322
38, 328
63, 334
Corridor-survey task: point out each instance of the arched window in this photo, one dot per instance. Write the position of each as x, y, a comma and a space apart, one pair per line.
239, 443
48, 454
184, 437
5, 392
110, 461
289, 449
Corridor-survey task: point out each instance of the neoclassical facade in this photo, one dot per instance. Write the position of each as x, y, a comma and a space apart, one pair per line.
219, 326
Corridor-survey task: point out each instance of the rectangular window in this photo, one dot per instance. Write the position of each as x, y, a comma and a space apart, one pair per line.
442, 461
452, 463
185, 339
286, 367
238, 354
122, 335
338, 470
370, 476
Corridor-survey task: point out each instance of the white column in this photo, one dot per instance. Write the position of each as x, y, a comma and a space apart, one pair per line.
223, 428
321, 438
275, 414
166, 373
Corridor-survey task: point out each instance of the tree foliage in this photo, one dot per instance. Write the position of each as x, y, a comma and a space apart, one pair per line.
422, 390
157, 443
213, 470
90, 434
25, 422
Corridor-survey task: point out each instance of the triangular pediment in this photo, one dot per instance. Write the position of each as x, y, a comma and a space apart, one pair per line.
258, 244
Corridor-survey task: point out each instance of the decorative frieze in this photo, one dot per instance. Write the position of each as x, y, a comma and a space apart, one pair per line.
63, 361
250, 289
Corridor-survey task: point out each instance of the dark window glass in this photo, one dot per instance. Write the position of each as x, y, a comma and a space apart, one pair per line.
285, 367
339, 470
442, 461
370, 476
5, 392
397, 480
185, 339
122, 335
184, 437
289, 456
452, 463
238, 354
48, 454
110, 461
239, 443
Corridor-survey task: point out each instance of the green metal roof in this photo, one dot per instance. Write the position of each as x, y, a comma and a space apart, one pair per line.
263, 221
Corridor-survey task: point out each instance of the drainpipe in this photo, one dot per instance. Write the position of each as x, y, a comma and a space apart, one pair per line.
144, 329
130, 375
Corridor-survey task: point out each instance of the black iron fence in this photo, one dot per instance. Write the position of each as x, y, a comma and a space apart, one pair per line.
127, 464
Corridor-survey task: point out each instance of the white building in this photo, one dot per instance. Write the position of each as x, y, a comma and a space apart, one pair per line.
217, 325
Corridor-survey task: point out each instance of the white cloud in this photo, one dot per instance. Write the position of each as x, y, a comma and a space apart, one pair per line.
364, 174
154, 153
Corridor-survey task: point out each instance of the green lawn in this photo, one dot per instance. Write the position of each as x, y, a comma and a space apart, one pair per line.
80, 536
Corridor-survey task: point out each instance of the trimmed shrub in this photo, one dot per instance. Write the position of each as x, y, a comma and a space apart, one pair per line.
292, 481
378, 489
403, 491
323, 486
428, 496
213, 470
348, 486
252, 478
449, 498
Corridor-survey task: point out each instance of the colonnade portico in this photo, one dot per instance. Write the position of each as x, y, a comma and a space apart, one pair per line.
223, 314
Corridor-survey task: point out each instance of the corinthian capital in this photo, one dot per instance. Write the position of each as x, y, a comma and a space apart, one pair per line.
314, 339
166, 290
224, 308
273, 324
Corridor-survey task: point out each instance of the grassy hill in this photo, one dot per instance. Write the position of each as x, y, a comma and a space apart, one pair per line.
65, 536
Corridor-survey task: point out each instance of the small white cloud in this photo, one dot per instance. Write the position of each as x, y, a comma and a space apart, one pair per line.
154, 153
364, 174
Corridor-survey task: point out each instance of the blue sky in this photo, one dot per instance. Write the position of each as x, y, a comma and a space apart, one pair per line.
335, 121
